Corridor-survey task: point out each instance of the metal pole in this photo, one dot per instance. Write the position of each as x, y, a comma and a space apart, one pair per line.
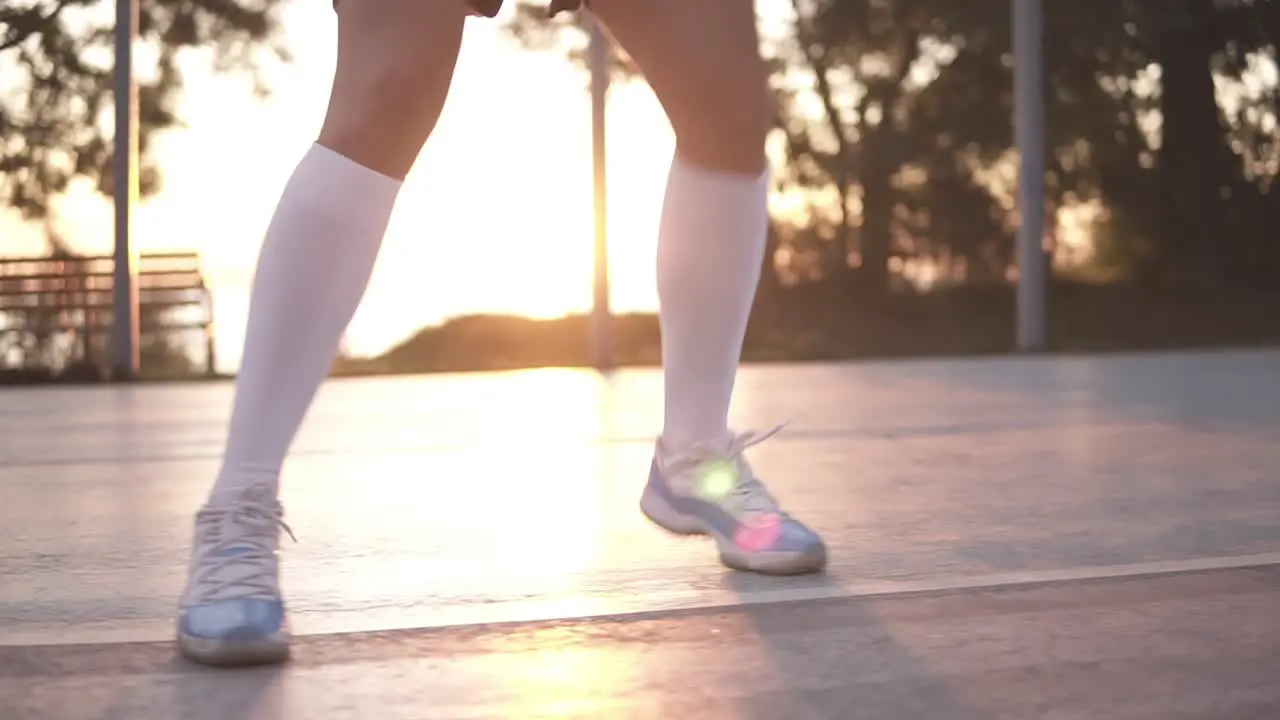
1028, 64
598, 53
125, 359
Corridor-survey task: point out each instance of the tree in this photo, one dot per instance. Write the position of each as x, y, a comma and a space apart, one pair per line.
884, 140
55, 107
897, 120
861, 61
1217, 163
899, 136
1185, 176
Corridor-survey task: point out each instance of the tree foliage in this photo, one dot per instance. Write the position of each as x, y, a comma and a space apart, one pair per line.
897, 120
56, 63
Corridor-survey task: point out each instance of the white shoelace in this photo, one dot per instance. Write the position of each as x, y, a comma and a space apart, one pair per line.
748, 494
249, 526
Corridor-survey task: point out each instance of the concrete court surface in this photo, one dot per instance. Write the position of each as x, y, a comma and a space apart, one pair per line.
1072, 537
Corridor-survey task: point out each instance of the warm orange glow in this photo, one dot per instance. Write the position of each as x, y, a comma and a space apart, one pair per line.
496, 217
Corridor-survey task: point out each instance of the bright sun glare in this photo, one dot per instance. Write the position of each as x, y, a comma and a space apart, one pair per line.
496, 216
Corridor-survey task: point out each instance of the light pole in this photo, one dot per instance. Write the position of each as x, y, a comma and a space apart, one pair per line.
125, 359
1028, 71
601, 330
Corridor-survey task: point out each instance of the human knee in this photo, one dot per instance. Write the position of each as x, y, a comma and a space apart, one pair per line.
382, 118
404, 89
389, 87
724, 127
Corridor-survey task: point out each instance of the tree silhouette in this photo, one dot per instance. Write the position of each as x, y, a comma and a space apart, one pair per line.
1217, 162
898, 133
56, 57
897, 117
863, 101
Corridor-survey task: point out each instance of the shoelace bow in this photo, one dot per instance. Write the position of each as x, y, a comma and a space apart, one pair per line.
748, 493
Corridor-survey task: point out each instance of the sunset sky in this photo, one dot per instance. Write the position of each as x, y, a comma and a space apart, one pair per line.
496, 216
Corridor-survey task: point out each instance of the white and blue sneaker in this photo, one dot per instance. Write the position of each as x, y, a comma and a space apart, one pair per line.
232, 612
714, 492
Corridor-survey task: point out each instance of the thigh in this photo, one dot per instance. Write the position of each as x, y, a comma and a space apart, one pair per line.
702, 58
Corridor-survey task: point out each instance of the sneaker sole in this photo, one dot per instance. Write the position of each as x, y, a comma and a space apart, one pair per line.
269, 650
661, 513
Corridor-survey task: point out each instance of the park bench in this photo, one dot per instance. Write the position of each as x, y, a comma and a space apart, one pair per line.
56, 311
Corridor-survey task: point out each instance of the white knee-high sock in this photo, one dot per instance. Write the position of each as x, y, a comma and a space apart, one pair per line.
315, 264
710, 247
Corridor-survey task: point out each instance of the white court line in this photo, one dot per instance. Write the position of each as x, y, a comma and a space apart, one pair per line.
651, 604
1028, 578
637, 605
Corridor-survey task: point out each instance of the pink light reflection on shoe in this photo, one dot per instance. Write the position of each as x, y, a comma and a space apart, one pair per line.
758, 532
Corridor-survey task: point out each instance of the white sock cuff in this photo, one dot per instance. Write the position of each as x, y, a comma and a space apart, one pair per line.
697, 178
336, 178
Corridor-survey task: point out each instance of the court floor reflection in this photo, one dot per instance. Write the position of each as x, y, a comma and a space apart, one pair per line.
432, 501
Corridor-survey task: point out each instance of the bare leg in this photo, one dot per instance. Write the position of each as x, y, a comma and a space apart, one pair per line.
395, 62
703, 60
